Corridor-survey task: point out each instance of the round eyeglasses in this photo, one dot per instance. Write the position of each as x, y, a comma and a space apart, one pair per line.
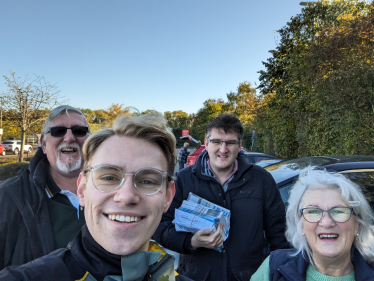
338, 214
107, 178
229, 143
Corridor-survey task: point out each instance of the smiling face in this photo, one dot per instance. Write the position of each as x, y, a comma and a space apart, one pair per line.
328, 240
123, 221
65, 153
222, 157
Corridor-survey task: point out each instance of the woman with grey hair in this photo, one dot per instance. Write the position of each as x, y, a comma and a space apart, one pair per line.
330, 226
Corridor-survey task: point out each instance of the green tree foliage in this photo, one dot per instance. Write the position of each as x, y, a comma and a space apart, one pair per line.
243, 104
317, 89
178, 121
211, 108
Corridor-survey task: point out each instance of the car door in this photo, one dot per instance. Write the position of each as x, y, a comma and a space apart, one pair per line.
365, 179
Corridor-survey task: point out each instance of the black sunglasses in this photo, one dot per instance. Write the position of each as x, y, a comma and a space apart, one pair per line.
78, 131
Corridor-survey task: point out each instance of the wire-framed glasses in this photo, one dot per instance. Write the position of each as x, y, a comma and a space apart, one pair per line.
217, 142
338, 214
107, 178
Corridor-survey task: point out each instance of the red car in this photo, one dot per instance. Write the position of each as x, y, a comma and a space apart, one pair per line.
2, 149
200, 147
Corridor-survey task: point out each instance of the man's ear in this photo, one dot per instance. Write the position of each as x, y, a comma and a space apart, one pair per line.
170, 192
81, 183
206, 142
43, 143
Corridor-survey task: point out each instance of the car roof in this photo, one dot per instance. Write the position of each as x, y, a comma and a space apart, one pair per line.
258, 154
285, 171
268, 162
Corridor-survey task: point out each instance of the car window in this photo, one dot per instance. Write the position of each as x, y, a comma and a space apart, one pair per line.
259, 158
285, 191
290, 168
7, 142
18, 142
365, 180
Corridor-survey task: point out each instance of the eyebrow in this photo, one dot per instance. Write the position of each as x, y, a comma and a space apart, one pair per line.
316, 206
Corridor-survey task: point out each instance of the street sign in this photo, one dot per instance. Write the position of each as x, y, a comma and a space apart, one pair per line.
185, 133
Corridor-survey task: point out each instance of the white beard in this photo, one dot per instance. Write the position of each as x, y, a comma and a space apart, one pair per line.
70, 164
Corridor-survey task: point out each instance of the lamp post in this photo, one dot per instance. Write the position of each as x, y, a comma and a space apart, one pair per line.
1, 117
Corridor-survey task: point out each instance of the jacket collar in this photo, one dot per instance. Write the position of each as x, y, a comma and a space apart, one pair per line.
296, 268
93, 258
38, 169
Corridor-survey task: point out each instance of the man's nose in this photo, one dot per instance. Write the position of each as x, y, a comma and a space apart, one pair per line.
69, 137
223, 147
127, 194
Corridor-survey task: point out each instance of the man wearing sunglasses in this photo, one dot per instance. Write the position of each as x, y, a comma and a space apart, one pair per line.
40, 209
125, 187
223, 175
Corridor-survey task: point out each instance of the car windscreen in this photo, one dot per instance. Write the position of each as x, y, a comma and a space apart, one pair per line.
290, 168
7, 142
267, 162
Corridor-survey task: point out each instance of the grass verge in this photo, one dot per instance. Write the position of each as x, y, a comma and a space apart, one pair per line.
9, 167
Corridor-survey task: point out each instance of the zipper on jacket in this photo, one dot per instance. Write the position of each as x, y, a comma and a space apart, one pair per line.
158, 266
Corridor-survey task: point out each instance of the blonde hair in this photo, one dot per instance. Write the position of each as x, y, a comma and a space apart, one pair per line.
150, 127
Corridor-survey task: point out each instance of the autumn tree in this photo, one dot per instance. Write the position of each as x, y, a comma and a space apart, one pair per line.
211, 108
177, 121
28, 102
319, 78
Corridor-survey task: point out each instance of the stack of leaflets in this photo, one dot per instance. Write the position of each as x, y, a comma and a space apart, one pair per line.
197, 213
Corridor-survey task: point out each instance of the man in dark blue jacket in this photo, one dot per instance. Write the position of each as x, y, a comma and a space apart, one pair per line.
182, 156
223, 175
39, 207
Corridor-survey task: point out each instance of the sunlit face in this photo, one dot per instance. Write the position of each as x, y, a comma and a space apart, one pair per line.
65, 153
222, 157
145, 211
341, 235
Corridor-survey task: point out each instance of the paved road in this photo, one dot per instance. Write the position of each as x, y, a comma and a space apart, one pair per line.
11, 155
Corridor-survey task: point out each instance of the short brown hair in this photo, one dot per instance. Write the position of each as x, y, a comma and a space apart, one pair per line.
150, 127
228, 123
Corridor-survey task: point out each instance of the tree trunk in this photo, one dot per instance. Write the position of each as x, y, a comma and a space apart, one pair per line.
22, 146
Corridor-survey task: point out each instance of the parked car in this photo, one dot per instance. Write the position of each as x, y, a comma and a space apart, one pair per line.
2, 149
359, 169
14, 146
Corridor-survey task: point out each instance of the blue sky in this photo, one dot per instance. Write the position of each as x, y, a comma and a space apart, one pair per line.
163, 55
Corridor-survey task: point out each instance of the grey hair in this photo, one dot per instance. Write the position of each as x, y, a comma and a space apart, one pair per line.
351, 194
56, 112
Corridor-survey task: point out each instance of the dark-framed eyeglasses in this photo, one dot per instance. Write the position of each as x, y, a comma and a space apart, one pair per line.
108, 178
338, 214
60, 131
229, 143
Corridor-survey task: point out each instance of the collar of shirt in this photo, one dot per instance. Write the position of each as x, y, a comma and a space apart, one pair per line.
229, 176
52, 189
